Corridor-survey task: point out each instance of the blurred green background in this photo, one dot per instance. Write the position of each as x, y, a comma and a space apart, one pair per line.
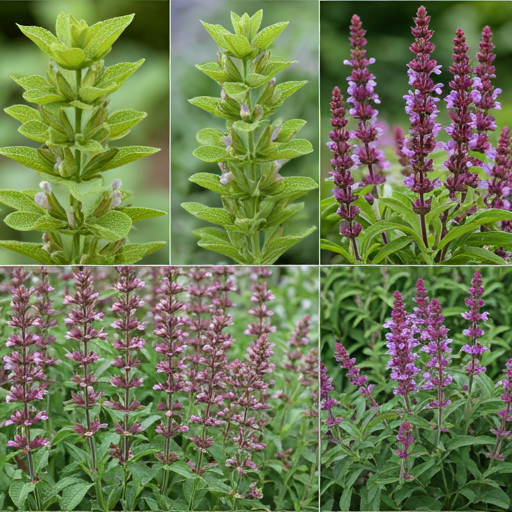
147, 90
191, 45
389, 37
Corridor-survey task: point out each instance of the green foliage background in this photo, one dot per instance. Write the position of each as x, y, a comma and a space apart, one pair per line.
389, 37
191, 44
146, 90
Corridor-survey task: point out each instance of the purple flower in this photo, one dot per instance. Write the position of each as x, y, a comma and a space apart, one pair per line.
361, 85
474, 348
459, 101
401, 343
403, 159
484, 95
326, 402
406, 438
260, 296
299, 339
421, 106
420, 315
505, 414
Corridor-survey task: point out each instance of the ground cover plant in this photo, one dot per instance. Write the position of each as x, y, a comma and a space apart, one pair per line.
415, 390
257, 201
83, 218
453, 205
158, 389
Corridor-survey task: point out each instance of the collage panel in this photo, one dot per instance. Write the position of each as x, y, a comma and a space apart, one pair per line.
235, 132
416, 381
73, 180
416, 110
159, 388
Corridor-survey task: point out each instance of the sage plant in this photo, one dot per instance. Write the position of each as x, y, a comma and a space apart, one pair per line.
256, 200
74, 126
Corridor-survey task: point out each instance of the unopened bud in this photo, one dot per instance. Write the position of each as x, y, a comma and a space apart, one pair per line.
71, 218
117, 183
226, 178
115, 202
245, 113
227, 141
46, 238
41, 199
223, 95
272, 82
258, 111
58, 166
46, 187
275, 133
222, 166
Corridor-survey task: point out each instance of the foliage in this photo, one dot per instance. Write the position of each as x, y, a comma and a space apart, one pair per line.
286, 473
75, 150
257, 200
362, 468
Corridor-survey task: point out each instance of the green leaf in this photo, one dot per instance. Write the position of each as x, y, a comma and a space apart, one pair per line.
238, 45
391, 247
286, 89
66, 482
292, 188
279, 246
91, 94
128, 154
105, 34
183, 469
468, 253
31, 250
132, 253
23, 113
122, 121
209, 181
285, 150
211, 154
43, 96
19, 491
138, 214
217, 216
87, 192
29, 157
280, 215
73, 495
289, 130
210, 137
237, 91
490, 238
217, 32
213, 70
209, 104
118, 73
42, 37
113, 226
461, 440
95, 164
268, 35
20, 201
26, 221
34, 130
383, 226
255, 22
403, 210
69, 58
327, 245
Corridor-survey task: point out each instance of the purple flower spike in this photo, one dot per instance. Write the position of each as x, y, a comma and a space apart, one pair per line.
484, 96
422, 109
406, 438
401, 343
353, 373
328, 403
505, 414
437, 347
420, 316
458, 103
361, 84
342, 163
474, 348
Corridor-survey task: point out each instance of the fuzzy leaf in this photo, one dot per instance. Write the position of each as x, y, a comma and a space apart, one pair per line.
27, 221
255, 22
31, 82
126, 155
122, 121
238, 45
209, 104
289, 130
34, 130
69, 58
132, 253
209, 181
137, 214
20, 201
217, 216
280, 245
73, 495
42, 37
268, 35
29, 157
182, 469
120, 72
285, 150
43, 96
91, 94
237, 91
31, 250
19, 491
292, 188
255, 79
217, 240
278, 216
211, 154
213, 70
94, 165
106, 33
23, 113
286, 89
210, 137
217, 32
327, 245
113, 226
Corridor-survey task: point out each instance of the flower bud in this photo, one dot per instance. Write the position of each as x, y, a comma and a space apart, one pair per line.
47, 188
115, 202
41, 199
223, 95
245, 113
59, 167
117, 183
226, 178
71, 218
258, 112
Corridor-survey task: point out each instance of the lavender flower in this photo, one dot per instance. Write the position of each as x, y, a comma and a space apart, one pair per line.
437, 348
459, 101
361, 92
326, 402
505, 414
25, 365
221, 287
485, 97
353, 373
128, 343
342, 163
401, 343
260, 296
422, 110
420, 316
406, 438
474, 348
299, 339
403, 159
80, 324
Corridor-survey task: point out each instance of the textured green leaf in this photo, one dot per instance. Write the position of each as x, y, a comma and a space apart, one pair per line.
128, 154
137, 214
237, 91
211, 154
213, 70
292, 187
69, 58
23, 113
276, 64
122, 121
66, 482
209, 181
31, 82
29, 157
34, 130
289, 130
327, 245
73, 495
209, 104
96, 163
490, 238
27, 221
183, 469
475, 254
120, 72
280, 245
268, 35
286, 89
217, 32
217, 216
279, 216
238, 45
105, 34
212, 235
31, 250
42, 37
256, 22
43, 96
132, 253
292, 149
391, 247
91, 94
210, 137
20, 201
19, 491
113, 226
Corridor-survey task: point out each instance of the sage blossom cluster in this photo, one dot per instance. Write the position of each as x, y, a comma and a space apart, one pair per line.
406, 438
260, 296
327, 403
26, 367
299, 339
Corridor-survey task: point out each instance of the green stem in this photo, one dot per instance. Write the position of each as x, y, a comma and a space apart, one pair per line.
99, 493
78, 161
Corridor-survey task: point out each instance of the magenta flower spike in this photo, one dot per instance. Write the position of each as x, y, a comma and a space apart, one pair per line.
361, 90
327, 403
505, 414
222, 285
26, 371
128, 342
420, 315
421, 106
406, 438
260, 296
299, 339
80, 328
459, 102
401, 343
